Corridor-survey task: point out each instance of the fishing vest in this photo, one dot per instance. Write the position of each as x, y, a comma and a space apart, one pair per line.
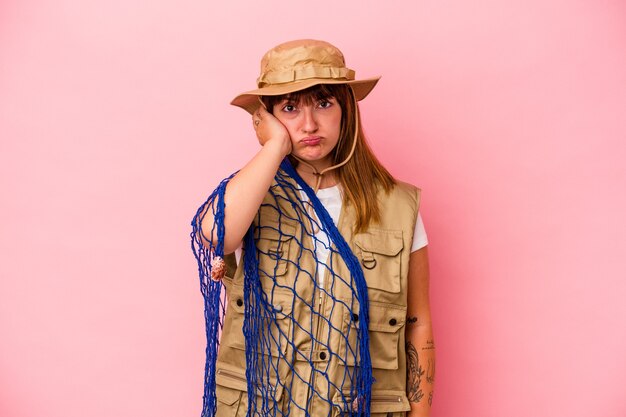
383, 251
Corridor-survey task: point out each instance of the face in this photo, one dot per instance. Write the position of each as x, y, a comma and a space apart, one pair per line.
314, 128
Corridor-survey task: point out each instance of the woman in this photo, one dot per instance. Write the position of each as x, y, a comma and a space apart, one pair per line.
328, 310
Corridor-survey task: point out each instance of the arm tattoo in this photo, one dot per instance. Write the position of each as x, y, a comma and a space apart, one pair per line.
430, 344
430, 371
430, 398
411, 320
414, 374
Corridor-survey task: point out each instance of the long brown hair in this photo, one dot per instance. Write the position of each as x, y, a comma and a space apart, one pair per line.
363, 173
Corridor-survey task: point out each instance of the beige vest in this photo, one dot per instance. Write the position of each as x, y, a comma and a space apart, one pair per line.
383, 250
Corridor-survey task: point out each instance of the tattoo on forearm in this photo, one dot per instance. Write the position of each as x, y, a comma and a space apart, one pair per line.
430, 398
411, 320
430, 344
430, 371
414, 374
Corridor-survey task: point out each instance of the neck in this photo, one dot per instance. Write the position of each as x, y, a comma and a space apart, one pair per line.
311, 178
314, 166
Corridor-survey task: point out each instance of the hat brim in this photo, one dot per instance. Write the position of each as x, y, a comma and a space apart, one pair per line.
249, 101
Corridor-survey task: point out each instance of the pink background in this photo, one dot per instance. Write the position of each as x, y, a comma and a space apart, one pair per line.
115, 125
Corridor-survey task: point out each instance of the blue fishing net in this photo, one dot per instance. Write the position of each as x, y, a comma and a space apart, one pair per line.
346, 372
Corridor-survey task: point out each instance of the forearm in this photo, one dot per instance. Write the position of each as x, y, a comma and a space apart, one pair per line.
244, 194
420, 351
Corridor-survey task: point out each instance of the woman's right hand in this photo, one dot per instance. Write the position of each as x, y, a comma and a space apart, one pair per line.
247, 189
270, 131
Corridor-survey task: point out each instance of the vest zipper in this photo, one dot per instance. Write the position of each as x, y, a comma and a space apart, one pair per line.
237, 377
380, 398
386, 398
231, 375
318, 324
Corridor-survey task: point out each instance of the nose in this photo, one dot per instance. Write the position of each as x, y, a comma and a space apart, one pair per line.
309, 122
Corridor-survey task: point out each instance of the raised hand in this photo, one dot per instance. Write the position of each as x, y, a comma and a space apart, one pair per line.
269, 129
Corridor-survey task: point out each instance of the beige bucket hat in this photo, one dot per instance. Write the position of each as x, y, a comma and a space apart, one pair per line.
300, 64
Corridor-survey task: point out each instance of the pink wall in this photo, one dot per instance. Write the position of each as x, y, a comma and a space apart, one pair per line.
115, 124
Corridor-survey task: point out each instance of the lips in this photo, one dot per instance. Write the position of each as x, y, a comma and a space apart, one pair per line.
311, 140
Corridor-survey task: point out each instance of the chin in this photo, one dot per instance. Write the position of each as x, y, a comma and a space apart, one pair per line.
311, 158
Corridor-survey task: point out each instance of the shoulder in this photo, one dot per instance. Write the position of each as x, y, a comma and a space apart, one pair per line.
405, 192
400, 205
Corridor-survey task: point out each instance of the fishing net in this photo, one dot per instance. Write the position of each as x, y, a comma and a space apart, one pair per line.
346, 372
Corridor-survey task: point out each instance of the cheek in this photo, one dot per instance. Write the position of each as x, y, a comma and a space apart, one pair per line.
337, 123
291, 128
288, 123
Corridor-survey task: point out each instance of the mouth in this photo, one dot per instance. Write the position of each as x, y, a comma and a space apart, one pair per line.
311, 140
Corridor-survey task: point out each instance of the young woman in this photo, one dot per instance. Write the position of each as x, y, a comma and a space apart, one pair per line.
327, 308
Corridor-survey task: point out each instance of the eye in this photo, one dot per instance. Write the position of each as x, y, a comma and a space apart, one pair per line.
289, 107
324, 104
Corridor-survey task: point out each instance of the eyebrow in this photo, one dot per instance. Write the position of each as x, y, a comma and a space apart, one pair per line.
306, 99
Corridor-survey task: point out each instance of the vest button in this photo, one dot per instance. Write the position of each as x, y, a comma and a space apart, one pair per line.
392, 322
355, 317
239, 302
322, 355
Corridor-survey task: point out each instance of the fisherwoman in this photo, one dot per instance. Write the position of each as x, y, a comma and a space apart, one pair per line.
313, 259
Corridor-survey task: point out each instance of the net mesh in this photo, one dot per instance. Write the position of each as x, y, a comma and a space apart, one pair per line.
271, 328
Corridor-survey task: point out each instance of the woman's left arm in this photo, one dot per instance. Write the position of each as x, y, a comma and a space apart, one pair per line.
420, 344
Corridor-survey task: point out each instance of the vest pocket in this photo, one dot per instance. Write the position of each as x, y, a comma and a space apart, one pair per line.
379, 253
385, 322
232, 397
385, 403
228, 401
276, 327
273, 242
